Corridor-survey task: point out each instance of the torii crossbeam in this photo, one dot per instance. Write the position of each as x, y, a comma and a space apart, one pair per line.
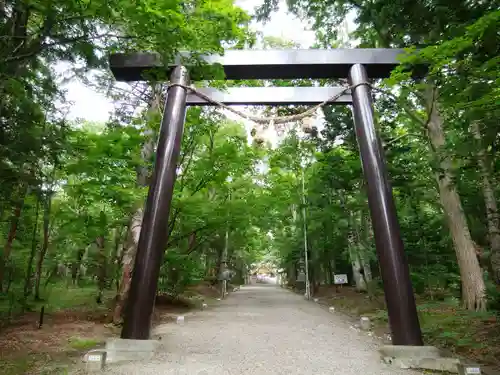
358, 65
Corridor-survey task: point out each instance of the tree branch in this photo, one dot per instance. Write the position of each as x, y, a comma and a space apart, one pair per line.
410, 112
186, 235
201, 242
34, 50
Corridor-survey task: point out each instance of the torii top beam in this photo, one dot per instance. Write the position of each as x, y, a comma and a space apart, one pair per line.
271, 64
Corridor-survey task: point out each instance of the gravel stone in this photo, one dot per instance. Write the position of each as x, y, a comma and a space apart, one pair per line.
263, 330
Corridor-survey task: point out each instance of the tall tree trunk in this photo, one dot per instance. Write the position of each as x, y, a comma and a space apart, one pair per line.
312, 278
365, 256
101, 275
220, 255
117, 256
325, 261
333, 269
356, 267
223, 265
366, 239
76, 265
12, 235
355, 245
292, 274
143, 174
10, 279
490, 203
34, 243
473, 286
327, 269
45, 245
207, 262
128, 258
355, 262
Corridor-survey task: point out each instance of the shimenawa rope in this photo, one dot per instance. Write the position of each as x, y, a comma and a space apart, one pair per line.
275, 119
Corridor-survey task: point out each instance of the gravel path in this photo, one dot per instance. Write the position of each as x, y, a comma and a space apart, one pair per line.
263, 330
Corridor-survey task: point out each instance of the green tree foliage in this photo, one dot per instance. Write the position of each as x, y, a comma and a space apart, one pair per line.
438, 131
68, 190
72, 192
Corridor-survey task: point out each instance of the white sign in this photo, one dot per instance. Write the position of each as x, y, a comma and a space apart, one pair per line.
94, 358
340, 279
472, 370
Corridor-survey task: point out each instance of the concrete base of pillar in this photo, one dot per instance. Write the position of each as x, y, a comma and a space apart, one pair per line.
120, 350
418, 357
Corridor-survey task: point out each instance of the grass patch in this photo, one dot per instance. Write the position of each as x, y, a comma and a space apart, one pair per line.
34, 364
73, 324
55, 298
379, 317
83, 343
474, 335
16, 366
61, 297
470, 334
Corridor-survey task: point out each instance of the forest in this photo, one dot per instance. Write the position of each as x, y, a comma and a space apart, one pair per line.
72, 192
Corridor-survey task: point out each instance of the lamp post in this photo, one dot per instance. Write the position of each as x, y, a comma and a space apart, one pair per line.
307, 127
225, 251
306, 257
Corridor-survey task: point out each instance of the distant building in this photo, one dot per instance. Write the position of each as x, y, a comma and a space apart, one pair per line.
263, 269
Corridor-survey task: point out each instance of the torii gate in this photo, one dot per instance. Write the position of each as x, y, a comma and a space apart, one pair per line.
358, 65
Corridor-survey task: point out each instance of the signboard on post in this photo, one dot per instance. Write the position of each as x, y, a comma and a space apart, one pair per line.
340, 279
